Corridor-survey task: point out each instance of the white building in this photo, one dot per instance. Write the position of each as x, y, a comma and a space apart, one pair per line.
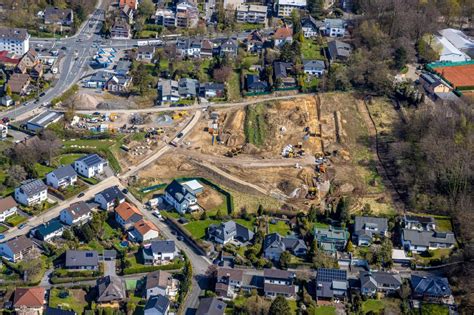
14, 40
62, 177
144, 231
285, 7
109, 198
31, 192
76, 214
3, 131
334, 27
8, 207
161, 282
447, 51
251, 13
90, 165
159, 252
180, 197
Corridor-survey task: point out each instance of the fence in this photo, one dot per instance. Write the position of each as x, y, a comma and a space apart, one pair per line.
439, 64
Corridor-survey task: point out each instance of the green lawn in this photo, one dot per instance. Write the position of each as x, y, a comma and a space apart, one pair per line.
3, 228
325, 310
15, 220
437, 254
280, 227
233, 87
247, 224
443, 225
70, 302
90, 144
66, 159
434, 309
198, 228
320, 225
310, 50
42, 170
372, 305
293, 306
131, 284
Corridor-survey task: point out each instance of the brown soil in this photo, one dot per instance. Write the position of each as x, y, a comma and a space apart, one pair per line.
210, 198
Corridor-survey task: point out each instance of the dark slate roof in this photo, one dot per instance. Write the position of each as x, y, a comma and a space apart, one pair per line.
165, 246
58, 311
78, 258
338, 49
48, 228
329, 275
254, 83
64, 172
420, 219
424, 238
159, 303
212, 86
292, 243
78, 209
313, 65
176, 190
91, 160
278, 274
309, 21
158, 278
431, 286
13, 33
112, 193
33, 186
19, 244
110, 288
211, 306
273, 241
109, 254
368, 279
280, 68
279, 289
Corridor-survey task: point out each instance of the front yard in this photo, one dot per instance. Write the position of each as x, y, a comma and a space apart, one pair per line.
15, 220
73, 299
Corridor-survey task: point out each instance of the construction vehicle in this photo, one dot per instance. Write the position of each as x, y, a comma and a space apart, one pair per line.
312, 193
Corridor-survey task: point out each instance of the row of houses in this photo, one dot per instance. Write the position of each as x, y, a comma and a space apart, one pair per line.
171, 91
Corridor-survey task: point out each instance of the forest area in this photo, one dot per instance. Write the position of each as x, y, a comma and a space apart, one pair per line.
433, 151
25, 11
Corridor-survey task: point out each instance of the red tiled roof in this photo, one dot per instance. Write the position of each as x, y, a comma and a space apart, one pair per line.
283, 32
29, 297
126, 210
144, 226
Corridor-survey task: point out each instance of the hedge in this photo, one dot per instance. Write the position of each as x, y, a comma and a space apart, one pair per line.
143, 269
59, 280
75, 273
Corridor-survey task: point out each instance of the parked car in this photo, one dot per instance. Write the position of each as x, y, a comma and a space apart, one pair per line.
180, 238
157, 214
21, 226
2, 236
80, 195
125, 191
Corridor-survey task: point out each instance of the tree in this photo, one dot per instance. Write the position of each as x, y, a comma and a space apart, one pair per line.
315, 8
260, 210
285, 259
8, 90
16, 174
219, 215
350, 247
68, 235
400, 58
343, 209
279, 306
146, 8
222, 74
296, 21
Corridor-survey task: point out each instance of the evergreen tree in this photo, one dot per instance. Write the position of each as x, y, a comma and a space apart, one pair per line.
279, 306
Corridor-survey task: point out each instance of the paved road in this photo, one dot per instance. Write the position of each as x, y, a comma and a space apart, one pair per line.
192, 107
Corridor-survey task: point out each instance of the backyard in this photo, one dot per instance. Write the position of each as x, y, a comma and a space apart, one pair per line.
311, 50
279, 227
73, 299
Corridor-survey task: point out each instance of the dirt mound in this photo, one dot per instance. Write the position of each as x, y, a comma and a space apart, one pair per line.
235, 121
249, 148
306, 175
185, 167
86, 101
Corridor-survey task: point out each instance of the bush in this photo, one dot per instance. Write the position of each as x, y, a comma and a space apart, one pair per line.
142, 269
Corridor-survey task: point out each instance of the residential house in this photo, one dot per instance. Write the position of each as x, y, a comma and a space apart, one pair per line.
229, 47
188, 88
421, 241
279, 283
331, 284
181, 198
16, 249
110, 291
28, 301
193, 186
3, 131
282, 72
118, 84
19, 83
43, 120
314, 67
126, 215
37, 72
165, 17
77, 213
120, 30
366, 228
252, 13
58, 16
207, 48
157, 305
339, 51
168, 91
331, 239
109, 198
282, 36
81, 260
14, 40
274, 245
9, 61
159, 252
211, 306
231, 5
6, 100
419, 223
62, 177
144, 231
334, 27
212, 90
228, 281
253, 84
28, 61
90, 165
373, 282
8, 207
160, 283
310, 27
98, 80
430, 288
31, 192
434, 85
229, 231
189, 47
145, 53
285, 7
49, 230
122, 68
254, 42
131, 3
127, 13
187, 14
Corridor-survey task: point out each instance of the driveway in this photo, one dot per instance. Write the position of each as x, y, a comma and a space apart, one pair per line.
109, 268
